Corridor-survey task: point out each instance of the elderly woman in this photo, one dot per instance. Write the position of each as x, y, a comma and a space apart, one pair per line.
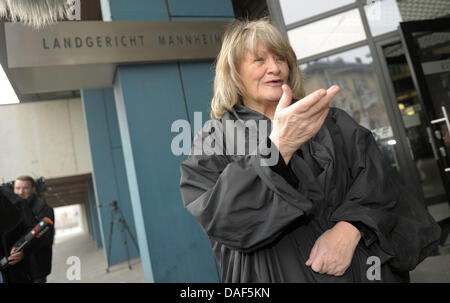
324, 209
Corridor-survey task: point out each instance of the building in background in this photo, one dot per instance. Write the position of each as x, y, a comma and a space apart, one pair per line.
395, 79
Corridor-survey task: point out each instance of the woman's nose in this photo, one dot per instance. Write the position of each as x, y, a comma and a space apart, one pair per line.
273, 66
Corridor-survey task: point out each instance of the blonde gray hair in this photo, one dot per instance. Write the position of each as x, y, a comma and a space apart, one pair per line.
240, 37
35, 13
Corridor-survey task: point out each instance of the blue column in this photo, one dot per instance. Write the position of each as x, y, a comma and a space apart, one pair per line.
149, 98
88, 211
109, 176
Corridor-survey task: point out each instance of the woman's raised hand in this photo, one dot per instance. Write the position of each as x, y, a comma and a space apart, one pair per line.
295, 124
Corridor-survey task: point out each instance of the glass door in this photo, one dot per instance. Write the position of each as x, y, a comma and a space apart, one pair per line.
414, 122
425, 106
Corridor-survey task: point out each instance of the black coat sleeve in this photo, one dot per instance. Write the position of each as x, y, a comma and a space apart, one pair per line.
27, 224
240, 201
283, 169
405, 231
39, 210
9, 215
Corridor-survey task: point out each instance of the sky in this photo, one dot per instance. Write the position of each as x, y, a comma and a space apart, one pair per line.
7, 94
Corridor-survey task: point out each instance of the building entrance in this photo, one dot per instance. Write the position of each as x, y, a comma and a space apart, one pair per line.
419, 70
418, 66
427, 45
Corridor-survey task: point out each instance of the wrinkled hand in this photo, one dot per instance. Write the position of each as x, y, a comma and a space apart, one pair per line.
295, 124
15, 257
333, 251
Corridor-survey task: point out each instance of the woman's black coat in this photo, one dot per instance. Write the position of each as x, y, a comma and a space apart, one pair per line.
263, 222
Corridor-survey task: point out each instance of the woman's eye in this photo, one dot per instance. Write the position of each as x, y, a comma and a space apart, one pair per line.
259, 59
281, 59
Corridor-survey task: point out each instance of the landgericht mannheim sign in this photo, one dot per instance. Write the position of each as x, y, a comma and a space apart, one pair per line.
72, 43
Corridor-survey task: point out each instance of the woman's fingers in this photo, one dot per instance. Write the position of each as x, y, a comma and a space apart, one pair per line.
333, 251
318, 266
312, 256
307, 102
325, 101
317, 101
285, 99
320, 262
317, 262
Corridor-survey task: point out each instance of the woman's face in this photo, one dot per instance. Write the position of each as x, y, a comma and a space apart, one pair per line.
263, 75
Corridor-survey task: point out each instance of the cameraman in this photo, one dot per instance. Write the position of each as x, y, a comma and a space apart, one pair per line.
41, 258
15, 222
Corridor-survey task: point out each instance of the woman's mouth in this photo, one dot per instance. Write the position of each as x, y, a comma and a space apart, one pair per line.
275, 82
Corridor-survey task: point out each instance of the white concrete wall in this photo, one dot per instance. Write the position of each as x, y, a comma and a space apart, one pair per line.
46, 139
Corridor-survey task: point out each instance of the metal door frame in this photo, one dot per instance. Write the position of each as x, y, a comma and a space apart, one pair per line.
418, 77
410, 173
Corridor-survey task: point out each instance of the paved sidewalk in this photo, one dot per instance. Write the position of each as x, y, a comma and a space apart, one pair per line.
435, 269
92, 260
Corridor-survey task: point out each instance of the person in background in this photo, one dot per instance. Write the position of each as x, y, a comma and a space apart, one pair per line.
16, 218
41, 258
9, 217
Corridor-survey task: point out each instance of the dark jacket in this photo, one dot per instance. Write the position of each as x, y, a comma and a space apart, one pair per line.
20, 272
262, 225
9, 215
41, 259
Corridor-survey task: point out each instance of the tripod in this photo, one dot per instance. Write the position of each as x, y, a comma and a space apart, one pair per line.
122, 226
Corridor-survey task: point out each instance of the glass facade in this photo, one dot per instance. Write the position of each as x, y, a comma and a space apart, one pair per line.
327, 34
413, 119
385, 15
343, 43
360, 94
296, 10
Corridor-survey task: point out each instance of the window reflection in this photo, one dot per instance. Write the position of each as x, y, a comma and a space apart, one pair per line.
385, 15
296, 10
327, 34
414, 119
360, 95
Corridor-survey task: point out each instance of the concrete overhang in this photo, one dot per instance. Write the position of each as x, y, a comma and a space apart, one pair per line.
63, 58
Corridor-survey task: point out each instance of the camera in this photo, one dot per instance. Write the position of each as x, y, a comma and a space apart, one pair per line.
40, 185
